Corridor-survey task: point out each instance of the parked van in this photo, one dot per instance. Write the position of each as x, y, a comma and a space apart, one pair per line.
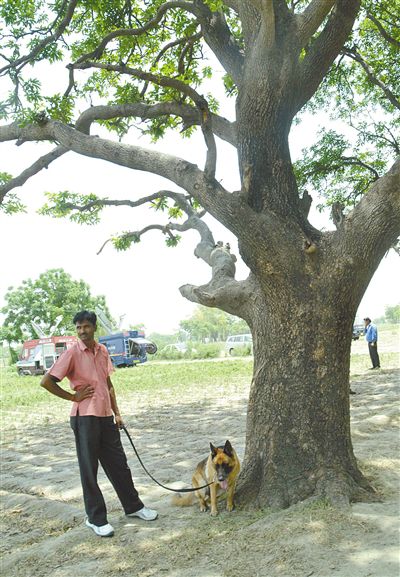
238, 342
38, 355
128, 348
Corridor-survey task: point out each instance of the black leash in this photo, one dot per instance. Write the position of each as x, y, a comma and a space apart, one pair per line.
188, 490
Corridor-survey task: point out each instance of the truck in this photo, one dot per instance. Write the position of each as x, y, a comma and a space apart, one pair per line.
38, 355
128, 348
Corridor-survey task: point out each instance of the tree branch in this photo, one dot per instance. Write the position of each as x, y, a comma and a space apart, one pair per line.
382, 30
266, 11
123, 32
42, 162
356, 56
200, 102
222, 290
326, 48
134, 236
188, 41
209, 193
190, 116
376, 219
218, 36
234, 4
21, 62
180, 199
311, 19
216, 32
221, 126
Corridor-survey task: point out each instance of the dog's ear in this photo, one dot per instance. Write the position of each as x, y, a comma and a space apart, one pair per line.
228, 449
213, 450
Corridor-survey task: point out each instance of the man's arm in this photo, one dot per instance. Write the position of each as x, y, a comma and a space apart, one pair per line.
118, 419
50, 383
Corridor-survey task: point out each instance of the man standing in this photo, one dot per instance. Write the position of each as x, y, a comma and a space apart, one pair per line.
95, 420
371, 336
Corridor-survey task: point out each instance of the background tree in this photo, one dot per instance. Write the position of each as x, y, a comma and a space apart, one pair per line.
52, 295
392, 314
212, 324
144, 60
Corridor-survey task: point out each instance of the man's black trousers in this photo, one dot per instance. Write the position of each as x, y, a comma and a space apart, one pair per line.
373, 353
98, 440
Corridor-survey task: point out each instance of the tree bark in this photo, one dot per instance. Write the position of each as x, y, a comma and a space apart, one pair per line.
298, 441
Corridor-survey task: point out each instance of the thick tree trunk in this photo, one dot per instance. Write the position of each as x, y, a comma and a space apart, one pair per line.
298, 440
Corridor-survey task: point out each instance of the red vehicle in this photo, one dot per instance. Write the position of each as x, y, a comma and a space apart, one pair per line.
38, 355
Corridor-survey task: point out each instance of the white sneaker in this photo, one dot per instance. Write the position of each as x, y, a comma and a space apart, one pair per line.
102, 531
145, 513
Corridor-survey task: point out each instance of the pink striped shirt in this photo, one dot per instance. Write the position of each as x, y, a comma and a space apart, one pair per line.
82, 366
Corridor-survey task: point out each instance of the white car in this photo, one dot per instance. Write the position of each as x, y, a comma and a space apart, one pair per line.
238, 341
180, 347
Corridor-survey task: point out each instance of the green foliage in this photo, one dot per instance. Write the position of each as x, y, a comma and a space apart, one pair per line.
213, 325
160, 203
392, 314
53, 294
12, 203
125, 240
242, 351
173, 240
337, 167
342, 168
63, 203
59, 107
332, 161
194, 351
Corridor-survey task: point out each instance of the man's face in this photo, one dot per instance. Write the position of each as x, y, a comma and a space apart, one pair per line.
85, 331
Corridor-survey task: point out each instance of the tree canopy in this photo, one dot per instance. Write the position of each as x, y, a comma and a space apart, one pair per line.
52, 299
147, 61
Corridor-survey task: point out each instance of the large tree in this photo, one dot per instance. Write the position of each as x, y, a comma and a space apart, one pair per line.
49, 301
132, 60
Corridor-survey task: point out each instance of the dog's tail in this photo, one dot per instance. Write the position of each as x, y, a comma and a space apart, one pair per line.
183, 500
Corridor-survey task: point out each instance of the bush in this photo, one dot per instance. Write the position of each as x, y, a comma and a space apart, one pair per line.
195, 351
242, 351
169, 355
205, 351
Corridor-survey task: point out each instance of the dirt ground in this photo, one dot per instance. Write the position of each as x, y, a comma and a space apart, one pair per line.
42, 515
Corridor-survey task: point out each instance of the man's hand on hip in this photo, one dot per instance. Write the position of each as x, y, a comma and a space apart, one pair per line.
84, 393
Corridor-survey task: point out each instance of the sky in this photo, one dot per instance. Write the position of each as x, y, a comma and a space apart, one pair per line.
141, 283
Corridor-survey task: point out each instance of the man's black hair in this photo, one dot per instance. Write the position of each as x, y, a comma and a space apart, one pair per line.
367, 319
85, 316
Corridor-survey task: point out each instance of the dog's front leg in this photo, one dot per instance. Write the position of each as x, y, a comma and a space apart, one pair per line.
229, 498
213, 499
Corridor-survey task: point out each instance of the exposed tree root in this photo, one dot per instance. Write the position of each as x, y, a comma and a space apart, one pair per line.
338, 487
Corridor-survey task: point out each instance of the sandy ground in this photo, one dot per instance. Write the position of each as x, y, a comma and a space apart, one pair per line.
43, 519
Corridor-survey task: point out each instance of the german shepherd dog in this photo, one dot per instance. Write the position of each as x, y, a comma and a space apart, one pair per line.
220, 468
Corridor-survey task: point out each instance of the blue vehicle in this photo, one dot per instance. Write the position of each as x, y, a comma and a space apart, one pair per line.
128, 348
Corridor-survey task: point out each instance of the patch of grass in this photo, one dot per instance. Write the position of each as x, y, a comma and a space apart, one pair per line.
20, 391
23, 391
361, 362
182, 375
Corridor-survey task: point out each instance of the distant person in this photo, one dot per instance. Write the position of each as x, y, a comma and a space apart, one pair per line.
371, 336
95, 420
